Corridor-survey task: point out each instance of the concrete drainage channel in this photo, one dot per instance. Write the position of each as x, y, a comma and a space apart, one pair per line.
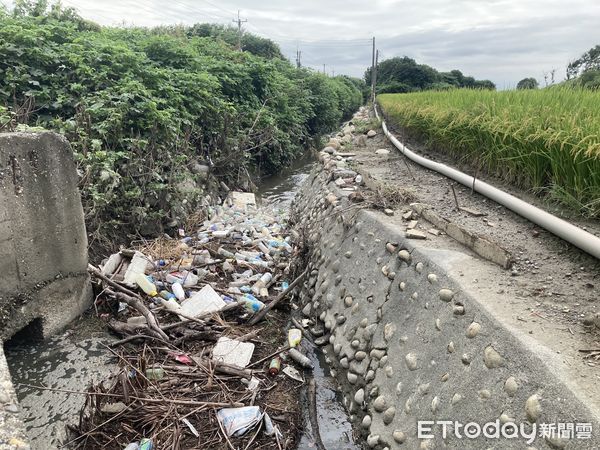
407, 339
410, 340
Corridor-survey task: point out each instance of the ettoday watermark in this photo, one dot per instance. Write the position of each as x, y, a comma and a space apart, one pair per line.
508, 430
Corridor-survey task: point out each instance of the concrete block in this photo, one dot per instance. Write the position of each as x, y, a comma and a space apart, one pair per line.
43, 242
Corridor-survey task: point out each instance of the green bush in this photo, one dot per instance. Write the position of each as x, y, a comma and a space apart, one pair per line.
142, 106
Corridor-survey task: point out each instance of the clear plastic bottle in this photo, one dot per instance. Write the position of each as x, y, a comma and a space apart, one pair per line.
146, 285
177, 289
294, 337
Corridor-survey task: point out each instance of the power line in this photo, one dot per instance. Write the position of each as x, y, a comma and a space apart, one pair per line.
218, 7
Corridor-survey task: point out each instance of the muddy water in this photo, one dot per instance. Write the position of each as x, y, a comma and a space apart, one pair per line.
71, 361
333, 422
279, 190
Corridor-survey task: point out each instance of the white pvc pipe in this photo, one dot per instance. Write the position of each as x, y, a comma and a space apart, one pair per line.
561, 228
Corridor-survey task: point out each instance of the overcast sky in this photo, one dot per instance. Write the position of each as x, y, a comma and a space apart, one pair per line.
501, 40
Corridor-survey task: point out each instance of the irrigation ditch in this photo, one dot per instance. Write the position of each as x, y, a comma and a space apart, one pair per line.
410, 303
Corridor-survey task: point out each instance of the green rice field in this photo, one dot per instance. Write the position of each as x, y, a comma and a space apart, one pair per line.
546, 141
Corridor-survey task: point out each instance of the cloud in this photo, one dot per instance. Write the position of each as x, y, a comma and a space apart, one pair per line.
503, 40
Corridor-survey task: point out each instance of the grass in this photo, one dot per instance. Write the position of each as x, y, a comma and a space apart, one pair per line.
546, 140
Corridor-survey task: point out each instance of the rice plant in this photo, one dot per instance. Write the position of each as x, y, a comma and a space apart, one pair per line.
544, 140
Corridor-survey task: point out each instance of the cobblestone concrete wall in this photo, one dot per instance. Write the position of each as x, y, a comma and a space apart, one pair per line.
409, 342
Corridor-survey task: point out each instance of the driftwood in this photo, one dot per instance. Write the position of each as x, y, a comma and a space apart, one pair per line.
136, 303
228, 369
263, 312
143, 399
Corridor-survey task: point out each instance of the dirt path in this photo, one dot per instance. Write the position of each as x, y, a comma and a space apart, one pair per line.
552, 289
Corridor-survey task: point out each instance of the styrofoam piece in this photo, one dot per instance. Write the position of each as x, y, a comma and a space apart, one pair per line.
230, 351
112, 264
206, 300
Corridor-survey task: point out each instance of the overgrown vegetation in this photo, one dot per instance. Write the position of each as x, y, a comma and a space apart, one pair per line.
401, 75
145, 108
546, 140
585, 71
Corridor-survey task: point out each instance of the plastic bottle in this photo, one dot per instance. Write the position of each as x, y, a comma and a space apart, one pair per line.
177, 289
300, 358
294, 337
275, 366
146, 444
260, 286
252, 304
167, 295
156, 373
184, 277
146, 285
227, 254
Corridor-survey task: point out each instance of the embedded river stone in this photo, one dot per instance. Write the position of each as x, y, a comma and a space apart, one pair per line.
533, 408
446, 295
492, 358
411, 361
511, 386
473, 330
380, 404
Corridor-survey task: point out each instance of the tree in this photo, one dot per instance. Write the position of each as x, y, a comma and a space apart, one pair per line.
485, 84
528, 83
590, 79
251, 43
399, 75
590, 60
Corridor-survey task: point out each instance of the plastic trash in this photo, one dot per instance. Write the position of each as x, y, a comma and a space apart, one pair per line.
138, 265
146, 444
227, 254
300, 358
112, 264
182, 358
204, 301
220, 233
177, 289
138, 321
167, 295
171, 305
146, 285
259, 287
185, 278
294, 337
252, 304
237, 421
133, 446
251, 384
275, 366
155, 373
293, 374
233, 352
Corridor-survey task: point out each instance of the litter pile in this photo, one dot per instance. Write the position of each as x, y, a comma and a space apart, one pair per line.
198, 365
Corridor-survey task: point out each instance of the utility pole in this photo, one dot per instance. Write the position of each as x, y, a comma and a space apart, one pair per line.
239, 22
298, 58
324, 73
373, 71
375, 75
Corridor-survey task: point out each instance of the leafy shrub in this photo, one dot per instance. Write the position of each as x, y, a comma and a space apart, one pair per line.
143, 107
